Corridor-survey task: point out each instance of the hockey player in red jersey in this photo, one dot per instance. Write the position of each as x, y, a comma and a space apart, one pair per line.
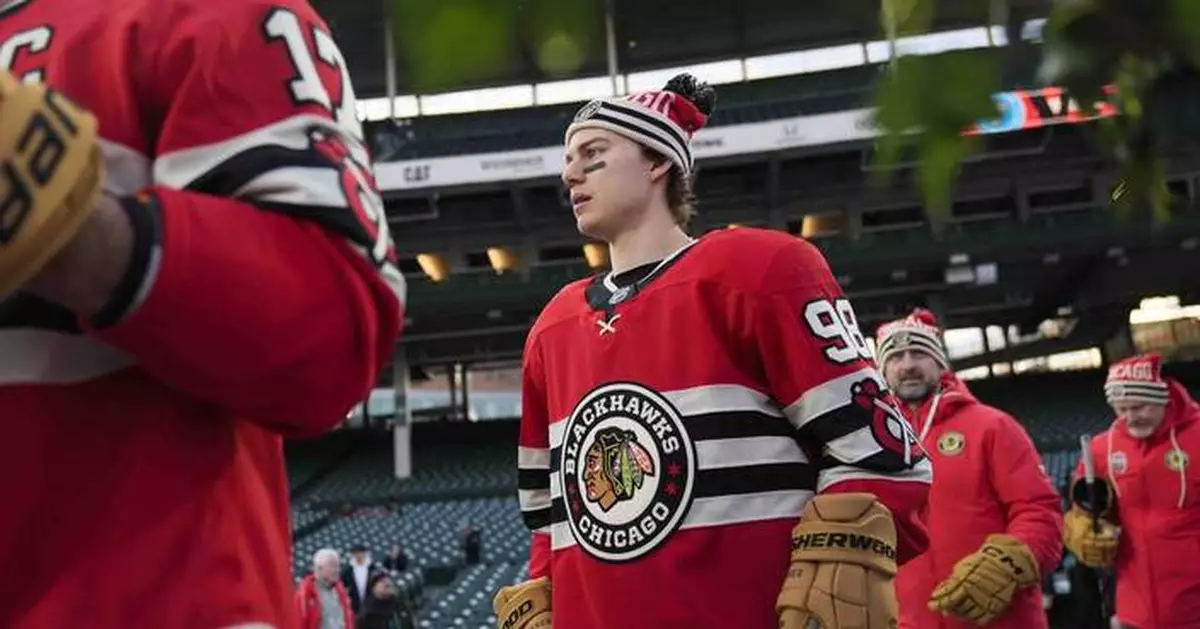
705, 439
234, 282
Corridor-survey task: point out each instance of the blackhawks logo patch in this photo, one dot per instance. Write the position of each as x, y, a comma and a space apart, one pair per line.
889, 427
628, 470
951, 443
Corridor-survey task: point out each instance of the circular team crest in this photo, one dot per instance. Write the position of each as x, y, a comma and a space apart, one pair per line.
951, 443
889, 427
1177, 460
628, 470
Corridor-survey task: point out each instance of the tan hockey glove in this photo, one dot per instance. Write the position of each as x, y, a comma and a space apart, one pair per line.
50, 173
1093, 548
843, 566
523, 606
982, 584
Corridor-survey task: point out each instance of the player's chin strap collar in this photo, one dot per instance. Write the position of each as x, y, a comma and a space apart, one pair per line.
604, 294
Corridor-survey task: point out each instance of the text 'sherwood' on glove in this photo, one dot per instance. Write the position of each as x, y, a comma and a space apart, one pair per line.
843, 566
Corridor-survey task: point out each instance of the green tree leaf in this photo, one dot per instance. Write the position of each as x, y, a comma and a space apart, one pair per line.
931, 101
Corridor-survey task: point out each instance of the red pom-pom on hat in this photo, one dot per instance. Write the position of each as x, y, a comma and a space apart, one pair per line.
921, 315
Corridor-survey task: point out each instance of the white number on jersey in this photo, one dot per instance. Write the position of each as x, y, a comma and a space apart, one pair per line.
27, 42
835, 321
284, 26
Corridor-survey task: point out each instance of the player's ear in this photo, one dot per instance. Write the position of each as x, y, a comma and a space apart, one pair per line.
660, 167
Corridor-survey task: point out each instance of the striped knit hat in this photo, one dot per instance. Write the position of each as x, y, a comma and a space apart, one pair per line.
664, 121
918, 332
1136, 379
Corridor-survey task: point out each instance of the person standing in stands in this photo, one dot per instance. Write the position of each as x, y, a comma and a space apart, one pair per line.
471, 540
321, 599
396, 560
356, 576
1149, 536
994, 517
388, 608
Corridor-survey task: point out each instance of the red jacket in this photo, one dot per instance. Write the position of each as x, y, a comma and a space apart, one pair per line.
308, 604
1158, 506
988, 478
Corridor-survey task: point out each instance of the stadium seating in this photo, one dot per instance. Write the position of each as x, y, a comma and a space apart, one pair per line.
430, 532
445, 470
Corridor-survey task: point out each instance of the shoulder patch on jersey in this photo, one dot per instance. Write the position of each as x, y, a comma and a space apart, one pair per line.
951, 443
888, 425
628, 471
1118, 462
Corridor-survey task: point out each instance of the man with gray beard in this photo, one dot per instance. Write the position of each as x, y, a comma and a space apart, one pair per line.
993, 515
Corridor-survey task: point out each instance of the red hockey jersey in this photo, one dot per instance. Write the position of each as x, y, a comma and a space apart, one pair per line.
143, 472
673, 430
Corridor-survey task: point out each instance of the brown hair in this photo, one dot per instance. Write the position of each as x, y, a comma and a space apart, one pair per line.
681, 195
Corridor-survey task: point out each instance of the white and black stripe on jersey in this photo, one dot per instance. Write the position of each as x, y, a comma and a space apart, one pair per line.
277, 167
748, 463
754, 459
305, 166
861, 433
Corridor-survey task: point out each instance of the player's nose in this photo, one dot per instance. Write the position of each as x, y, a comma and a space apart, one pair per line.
572, 175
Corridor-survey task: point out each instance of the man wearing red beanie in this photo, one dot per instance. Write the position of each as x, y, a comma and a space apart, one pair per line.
993, 515
1149, 534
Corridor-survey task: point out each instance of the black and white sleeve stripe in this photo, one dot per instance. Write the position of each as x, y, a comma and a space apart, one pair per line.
533, 487
304, 166
859, 431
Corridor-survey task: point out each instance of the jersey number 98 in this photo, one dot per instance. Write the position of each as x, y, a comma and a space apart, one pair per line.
834, 322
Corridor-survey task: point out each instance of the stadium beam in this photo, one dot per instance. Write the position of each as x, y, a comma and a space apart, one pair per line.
610, 45
520, 206
1060, 287
389, 55
776, 219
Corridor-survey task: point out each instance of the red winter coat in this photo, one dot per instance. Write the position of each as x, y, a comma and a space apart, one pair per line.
308, 604
987, 478
1158, 506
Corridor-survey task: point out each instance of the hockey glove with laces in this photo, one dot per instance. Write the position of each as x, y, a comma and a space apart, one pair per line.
982, 584
523, 606
51, 171
843, 566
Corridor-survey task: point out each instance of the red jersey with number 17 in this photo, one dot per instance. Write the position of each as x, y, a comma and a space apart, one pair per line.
673, 429
144, 484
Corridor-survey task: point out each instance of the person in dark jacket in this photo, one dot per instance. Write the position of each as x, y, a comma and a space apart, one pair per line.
386, 608
396, 559
356, 576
